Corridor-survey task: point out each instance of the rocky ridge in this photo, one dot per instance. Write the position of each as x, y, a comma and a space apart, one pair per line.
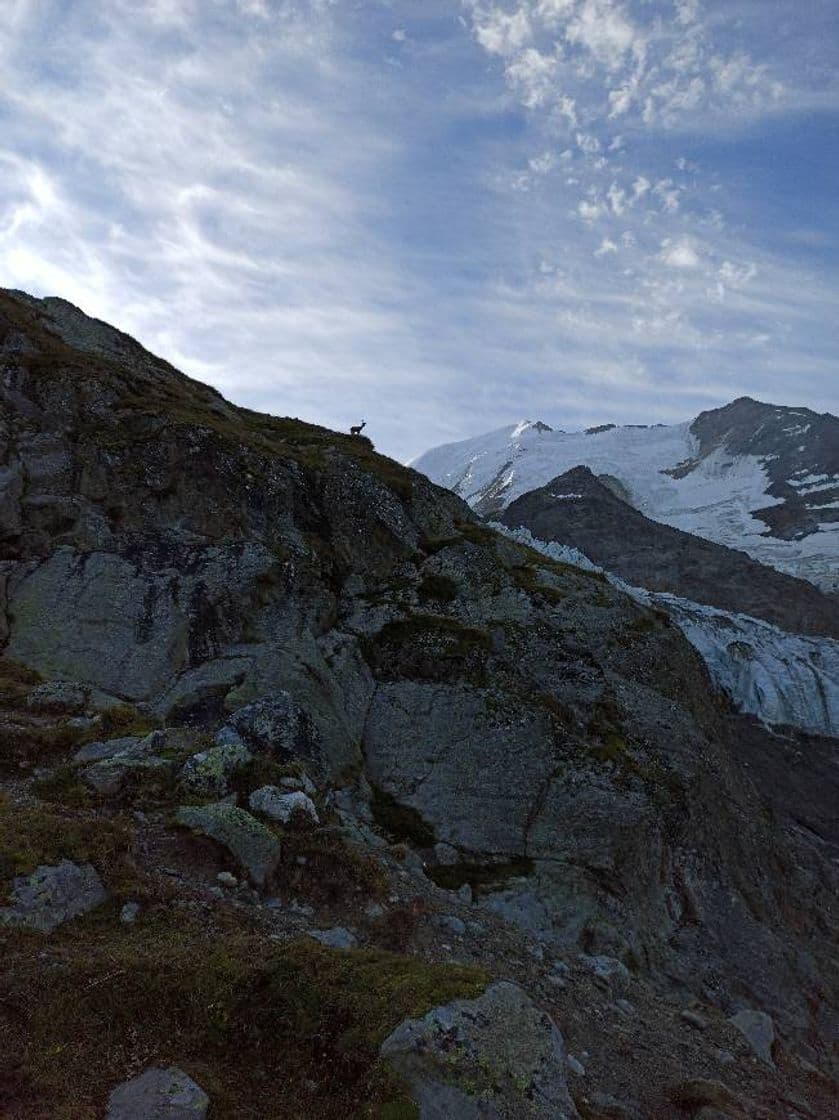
518, 774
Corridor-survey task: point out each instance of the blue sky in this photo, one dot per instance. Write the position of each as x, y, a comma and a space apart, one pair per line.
439, 216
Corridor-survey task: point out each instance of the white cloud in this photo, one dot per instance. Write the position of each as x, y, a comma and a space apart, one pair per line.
501, 33
603, 29
680, 254
607, 246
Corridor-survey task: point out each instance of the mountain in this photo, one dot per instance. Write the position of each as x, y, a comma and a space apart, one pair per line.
319, 797
752, 476
577, 509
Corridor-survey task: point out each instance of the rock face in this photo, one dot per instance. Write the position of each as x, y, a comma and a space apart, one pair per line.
321, 604
159, 1094
579, 510
51, 896
493, 1058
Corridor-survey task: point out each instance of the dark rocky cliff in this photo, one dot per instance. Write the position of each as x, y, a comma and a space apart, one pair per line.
492, 740
649, 554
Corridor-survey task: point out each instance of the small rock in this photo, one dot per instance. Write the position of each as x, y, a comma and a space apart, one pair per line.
51, 896
576, 1066
694, 1019
108, 748
253, 845
159, 1094
227, 879
625, 1007
606, 968
208, 773
758, 1030
464, 893
283, 807
477, 929
128, 914
725, 1057
337, 938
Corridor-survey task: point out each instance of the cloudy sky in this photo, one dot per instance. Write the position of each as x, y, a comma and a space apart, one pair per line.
437, 215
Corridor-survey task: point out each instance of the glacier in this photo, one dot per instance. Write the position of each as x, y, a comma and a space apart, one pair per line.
783, 679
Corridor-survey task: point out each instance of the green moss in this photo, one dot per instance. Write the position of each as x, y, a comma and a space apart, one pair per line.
527, 577
262, 1026
401, 822
611, 748
448, 637
481, 877
476, 533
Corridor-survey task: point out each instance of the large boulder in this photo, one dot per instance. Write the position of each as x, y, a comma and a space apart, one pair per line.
159, 1094
276, 725
51, 896
497, 1057
116, 767
253, 846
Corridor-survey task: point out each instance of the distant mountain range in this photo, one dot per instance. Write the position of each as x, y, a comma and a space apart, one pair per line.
758, 477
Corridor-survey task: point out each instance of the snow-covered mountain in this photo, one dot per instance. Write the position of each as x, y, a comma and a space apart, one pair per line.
752, 476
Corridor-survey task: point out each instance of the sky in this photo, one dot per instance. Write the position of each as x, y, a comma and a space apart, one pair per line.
439, 216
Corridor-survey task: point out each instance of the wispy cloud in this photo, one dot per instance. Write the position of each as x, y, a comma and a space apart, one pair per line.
436, 218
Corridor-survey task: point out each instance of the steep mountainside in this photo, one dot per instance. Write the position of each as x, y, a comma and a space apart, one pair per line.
501, 766
579, 510
752, 476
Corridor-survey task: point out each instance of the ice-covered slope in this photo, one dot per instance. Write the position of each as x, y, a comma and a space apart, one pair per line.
756, 477
783, 679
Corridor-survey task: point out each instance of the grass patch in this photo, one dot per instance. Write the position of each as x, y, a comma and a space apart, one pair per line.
64, 787
278, 1031
30, 837
527, 577
323, 866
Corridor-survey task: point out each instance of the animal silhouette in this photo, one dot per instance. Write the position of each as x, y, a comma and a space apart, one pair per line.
356, 429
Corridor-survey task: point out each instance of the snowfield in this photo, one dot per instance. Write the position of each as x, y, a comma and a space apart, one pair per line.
783, 679
717, 499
